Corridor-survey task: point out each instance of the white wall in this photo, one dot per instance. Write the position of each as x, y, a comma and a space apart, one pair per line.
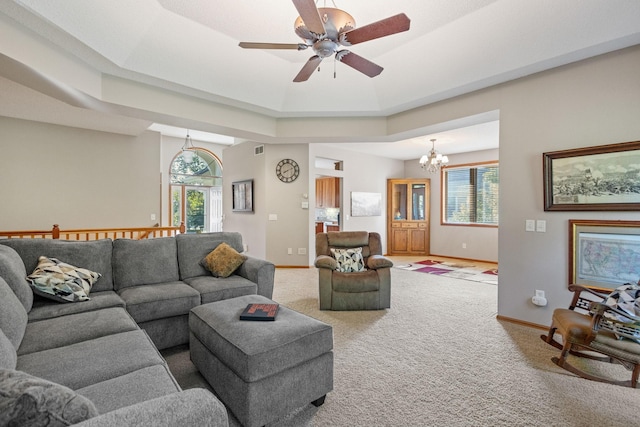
239, 164
446, 240
295, 225
592, 102
76, 178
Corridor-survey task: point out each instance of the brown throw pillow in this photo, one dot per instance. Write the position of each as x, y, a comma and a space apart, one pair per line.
223, 260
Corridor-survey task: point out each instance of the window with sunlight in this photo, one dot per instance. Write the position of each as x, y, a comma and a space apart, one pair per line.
471, 194
196, 191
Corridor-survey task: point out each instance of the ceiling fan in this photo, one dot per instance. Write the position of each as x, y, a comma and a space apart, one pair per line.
325, 29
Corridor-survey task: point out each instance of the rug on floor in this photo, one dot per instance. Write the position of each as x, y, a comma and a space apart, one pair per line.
457, 269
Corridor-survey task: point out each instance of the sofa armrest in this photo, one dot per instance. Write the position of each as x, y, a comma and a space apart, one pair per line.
260, 272
378, 261
325, 261
193, 407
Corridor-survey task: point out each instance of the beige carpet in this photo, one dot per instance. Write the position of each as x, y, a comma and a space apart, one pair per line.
439, 357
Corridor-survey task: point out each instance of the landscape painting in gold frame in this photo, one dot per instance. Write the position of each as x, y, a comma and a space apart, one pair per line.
601, 178
604, 254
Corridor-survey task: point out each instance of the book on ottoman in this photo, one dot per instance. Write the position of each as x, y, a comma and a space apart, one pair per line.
261, 312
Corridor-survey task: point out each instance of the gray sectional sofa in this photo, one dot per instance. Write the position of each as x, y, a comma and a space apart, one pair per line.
105, 350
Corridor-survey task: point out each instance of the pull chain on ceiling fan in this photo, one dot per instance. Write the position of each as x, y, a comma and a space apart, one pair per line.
325, 29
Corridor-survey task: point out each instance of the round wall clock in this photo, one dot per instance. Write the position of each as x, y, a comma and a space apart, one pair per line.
287, 170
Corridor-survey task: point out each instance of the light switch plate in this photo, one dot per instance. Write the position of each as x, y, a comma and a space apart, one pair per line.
530, 225
541, 226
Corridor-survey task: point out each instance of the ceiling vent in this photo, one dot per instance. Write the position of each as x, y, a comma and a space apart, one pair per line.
258, 150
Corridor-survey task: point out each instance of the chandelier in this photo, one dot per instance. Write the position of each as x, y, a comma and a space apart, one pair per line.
434, 161
188, 150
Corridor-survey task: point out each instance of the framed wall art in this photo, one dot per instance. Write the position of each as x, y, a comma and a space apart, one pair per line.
604, 254
242, 196
601, 178
366, 204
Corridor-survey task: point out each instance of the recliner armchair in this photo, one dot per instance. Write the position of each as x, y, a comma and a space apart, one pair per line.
369, 289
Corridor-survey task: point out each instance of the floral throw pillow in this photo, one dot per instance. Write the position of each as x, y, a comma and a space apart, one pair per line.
60, 281
349, 260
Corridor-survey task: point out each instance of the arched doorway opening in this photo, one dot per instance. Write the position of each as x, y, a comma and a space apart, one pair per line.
195, 191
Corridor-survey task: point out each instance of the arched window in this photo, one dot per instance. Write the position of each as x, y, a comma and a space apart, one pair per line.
195, 187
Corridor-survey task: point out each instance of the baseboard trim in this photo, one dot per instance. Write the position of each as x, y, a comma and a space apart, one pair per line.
521, 322
446, 256
465, 259
293, 266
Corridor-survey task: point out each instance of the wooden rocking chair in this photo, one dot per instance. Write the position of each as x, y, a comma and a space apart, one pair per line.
588, 330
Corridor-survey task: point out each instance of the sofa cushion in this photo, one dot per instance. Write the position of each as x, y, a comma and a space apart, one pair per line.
129, 389
74, 328
192, 248
223, 260
193, 407
158, 301
13, 316
12, 269
27, 400
215, 288
359, 282
60, 281
46, 309
93, 255
144, 262
89, 362
8, 355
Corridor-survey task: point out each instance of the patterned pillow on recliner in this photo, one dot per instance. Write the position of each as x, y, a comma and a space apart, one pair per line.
349, 260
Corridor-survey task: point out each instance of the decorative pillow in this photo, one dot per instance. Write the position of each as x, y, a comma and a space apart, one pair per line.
61, 282
27, 400
349, 260
625, 298
223, 260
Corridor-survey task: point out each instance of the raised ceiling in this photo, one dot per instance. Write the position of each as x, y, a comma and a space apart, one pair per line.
191, 47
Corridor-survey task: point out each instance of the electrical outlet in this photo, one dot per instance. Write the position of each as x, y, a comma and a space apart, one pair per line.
539, 293
464, 246
302, 251
289, 251
541, 226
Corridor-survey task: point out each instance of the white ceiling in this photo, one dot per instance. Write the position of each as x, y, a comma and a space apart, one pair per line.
453, 47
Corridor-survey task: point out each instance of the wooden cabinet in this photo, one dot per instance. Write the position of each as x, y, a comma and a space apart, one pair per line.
408, 216
319, 227
327, 192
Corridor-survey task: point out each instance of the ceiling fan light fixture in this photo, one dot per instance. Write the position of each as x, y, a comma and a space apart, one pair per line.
325, 29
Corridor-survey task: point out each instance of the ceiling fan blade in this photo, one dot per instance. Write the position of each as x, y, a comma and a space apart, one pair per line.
308, 69
310, 15
386, 27
359, 63
252, 45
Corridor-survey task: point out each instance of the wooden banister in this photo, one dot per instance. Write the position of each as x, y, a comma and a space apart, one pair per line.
137, 233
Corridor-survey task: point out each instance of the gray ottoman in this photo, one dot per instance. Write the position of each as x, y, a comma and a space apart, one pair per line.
261, 370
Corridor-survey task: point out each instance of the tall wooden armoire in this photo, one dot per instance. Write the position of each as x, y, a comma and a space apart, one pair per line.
408, 216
